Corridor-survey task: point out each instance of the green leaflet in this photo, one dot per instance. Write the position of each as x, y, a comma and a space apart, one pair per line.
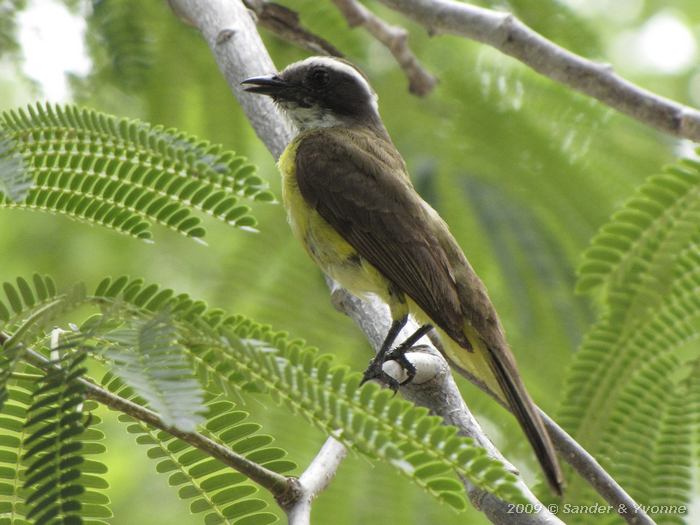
120, 173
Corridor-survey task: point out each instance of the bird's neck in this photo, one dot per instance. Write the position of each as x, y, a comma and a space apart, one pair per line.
374, 126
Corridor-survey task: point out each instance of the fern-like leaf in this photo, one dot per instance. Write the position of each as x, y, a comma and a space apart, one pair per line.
235, 352
148, 357
55, 422
13, 438
125, 174
624, 394
223, 496
642, 236
24, 315
13, 466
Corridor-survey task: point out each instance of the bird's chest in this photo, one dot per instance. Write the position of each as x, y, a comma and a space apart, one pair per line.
329, 250
324, 244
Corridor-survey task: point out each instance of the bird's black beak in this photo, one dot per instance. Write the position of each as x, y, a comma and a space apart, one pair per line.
271, 85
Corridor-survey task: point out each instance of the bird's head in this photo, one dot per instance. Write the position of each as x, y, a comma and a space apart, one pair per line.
320, 92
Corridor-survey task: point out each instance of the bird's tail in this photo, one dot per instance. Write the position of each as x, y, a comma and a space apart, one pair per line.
497, 371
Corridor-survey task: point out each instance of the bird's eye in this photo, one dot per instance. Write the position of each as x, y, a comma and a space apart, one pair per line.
318, 78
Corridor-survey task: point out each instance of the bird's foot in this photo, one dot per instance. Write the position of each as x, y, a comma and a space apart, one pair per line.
398, 355
375, 371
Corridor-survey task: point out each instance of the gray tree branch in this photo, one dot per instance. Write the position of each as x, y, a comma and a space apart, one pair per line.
285, 23
314, 480
240, 53
509, 35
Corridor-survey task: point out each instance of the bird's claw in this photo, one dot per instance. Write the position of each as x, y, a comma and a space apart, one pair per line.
405, 364
376, 371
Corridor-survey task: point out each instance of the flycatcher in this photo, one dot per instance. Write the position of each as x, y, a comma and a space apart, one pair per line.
351, 203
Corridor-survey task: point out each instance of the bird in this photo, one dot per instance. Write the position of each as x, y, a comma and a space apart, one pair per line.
350, 202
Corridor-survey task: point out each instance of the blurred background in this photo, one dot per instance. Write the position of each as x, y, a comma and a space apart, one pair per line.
523, 169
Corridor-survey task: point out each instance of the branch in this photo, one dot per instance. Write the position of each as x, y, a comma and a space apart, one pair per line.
314, 480
510, 36
280, 486
285, 23
230, 32
240, 53
590, 470
580, 459
395, 38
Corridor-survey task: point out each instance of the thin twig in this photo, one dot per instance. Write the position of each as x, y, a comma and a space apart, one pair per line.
510, 36
279, 486
395, 38
580, 459
285, 23
590, 470
314, 480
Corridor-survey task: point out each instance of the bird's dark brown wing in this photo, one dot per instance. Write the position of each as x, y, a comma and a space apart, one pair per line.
357, 183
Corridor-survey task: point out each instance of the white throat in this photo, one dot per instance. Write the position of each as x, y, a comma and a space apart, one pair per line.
313, 117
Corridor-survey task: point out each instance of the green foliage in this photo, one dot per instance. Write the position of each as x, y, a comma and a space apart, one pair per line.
523, 170
54, 423
15, 180
8, 15
527, 253
147, 356
145, 331
15, 444
124, 174
233, 351
13, 437
123, 38
29, 308
224, 496
366, 418
627, 390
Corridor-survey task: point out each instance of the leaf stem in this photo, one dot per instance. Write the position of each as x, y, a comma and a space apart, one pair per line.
278, 485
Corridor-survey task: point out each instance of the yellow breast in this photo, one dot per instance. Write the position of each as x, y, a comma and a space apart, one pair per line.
333, 254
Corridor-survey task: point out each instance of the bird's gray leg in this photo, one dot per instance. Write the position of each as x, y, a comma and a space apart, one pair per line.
398, 354
374, 370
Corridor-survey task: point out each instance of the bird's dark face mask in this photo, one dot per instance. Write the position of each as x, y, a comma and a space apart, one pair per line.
320, 93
